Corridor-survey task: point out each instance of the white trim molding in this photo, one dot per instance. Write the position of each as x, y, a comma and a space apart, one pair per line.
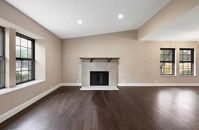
19, 108
155, 84
71, 84
139, 84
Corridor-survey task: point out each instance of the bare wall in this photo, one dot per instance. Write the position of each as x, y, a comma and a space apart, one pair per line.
139, 61
52, 58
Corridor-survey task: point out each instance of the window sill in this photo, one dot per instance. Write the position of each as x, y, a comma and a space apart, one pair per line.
178, 75
20, 86
187, 75
168, 75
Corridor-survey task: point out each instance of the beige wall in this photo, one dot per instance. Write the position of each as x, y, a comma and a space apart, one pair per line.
51, 65
139, 61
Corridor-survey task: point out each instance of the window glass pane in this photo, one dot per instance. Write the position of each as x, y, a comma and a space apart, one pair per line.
24, 42
186, 55
166, 55
2, 80
186, 68
25, 75
29, 53
30, 65
2, 61
29, 44
29, 75
17, 51
24, 52
166, 68
18, 76
18, 41
1, 65
1, 41
1, 49
24, 65
18, 65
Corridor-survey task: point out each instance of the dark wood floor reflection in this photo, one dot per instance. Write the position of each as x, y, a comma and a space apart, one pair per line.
165, 108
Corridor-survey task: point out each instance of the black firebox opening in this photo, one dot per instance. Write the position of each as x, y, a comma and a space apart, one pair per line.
99, 78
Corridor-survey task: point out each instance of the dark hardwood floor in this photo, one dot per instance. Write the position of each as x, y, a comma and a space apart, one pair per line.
68, 108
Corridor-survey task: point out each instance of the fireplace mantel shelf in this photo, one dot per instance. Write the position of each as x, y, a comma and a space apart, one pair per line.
92, 58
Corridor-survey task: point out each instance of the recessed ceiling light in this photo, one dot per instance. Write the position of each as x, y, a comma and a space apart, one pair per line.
79, 21
120, 16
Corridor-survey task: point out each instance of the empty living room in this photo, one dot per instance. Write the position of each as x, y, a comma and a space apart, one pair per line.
99, 64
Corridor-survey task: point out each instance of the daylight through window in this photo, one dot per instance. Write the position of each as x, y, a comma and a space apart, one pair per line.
25, 59
167, 61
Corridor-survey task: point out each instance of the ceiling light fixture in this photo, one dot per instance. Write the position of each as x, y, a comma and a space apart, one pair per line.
79, 21
120, 16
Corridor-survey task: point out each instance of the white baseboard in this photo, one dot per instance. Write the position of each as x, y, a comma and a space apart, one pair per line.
19, 108
71, 84
155, 84
140, 84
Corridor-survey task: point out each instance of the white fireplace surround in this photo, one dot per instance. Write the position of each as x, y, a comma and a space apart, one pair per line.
100, 64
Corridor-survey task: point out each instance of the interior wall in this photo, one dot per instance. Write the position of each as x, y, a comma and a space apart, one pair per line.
52, 57
139, 60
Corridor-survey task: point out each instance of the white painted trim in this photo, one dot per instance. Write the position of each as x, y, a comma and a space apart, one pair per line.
71, 84
139, 84
156, 84
99, 88
19, 108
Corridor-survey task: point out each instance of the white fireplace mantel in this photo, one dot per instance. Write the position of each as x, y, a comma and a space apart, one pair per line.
106, 58
109, 64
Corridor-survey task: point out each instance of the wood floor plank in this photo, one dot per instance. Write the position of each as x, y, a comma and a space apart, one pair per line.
68, 108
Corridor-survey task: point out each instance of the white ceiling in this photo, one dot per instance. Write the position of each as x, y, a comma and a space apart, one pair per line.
183, 28
98, 16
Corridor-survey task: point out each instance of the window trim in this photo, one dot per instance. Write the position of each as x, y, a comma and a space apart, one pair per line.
29, 59
192, 61
173, 61
3, 57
